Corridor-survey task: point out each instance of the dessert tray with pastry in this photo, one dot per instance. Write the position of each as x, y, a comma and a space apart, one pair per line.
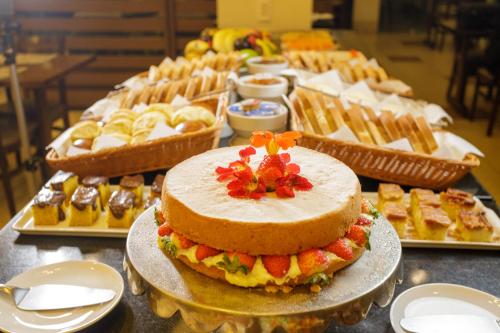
139, 137
69, 205
265, 225
448, 219
353, 67
378, 144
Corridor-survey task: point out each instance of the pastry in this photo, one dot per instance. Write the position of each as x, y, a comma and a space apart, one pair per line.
453, 201
389, 193
101, 184
85, 206
396, 213
193, 113
66, 182
87, 129
472, 226
422, 197
48, 207
157, 186
120, 209
229, 220
134, 184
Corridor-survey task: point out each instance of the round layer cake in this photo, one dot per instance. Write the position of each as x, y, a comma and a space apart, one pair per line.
272, 220
198, 206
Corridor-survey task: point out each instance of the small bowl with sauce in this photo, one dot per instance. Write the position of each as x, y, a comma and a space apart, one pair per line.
270, 64
262, 86
257, 115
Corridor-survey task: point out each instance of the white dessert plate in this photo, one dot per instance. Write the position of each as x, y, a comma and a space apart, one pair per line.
83, 273
25, 225
442, 299
450, 242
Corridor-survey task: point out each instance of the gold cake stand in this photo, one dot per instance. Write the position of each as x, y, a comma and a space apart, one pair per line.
207, 304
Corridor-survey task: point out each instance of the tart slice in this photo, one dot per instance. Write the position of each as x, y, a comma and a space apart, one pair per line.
473, 226
120, 209
101, 184
65, 182
453, 201
85, 206
48, 207
421, 197
134, 184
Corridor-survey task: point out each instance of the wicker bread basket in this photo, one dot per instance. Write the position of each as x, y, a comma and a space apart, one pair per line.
391, 165
150, 155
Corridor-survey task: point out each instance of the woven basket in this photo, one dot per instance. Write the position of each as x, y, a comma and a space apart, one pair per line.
390, 165
147, 156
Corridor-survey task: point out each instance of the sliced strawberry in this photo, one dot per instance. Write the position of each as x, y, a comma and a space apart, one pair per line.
159, 219
357, 234
164, 230
185, 243
363, 220
312, 261
243, 259
341, 249
204, 251
277, 266
270, 169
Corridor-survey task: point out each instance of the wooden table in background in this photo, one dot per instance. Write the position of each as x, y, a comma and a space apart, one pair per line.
39, 78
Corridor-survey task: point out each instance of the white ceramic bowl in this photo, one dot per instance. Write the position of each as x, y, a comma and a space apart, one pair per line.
255, 66
244, 125
269, 92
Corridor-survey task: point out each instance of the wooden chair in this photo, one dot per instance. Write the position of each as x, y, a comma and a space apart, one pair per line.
11, 143
126, 35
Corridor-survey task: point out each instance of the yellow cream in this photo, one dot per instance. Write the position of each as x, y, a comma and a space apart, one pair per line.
189, 253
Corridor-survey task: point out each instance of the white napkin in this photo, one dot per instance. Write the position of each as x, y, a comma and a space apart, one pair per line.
391, 103
62, 142
179, 101
435, 113
139, 108
371, 63
454, 147
135, 82
344, 133
102, 106
330, 81
74, 151
107, 141
400, 144
360, 93
161, 130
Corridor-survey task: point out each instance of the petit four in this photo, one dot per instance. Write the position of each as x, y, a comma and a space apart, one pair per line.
85, 206
101, 184
48, 207
453, 201
120, 209
66, 182
389, 193
134, 184
431, 223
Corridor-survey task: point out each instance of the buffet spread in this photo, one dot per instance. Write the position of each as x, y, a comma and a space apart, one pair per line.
284, 215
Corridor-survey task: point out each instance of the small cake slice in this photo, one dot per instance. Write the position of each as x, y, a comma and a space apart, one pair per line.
157, 186
453, 201
134, 184
396, 214
431, 223
421, 197
66, 182
101, 184
473, 226
85, 206
48, 207
120, 209
389, 193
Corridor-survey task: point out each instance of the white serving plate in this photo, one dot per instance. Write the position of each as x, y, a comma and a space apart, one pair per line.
450, 242
25, 224
83, 273
442, 299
